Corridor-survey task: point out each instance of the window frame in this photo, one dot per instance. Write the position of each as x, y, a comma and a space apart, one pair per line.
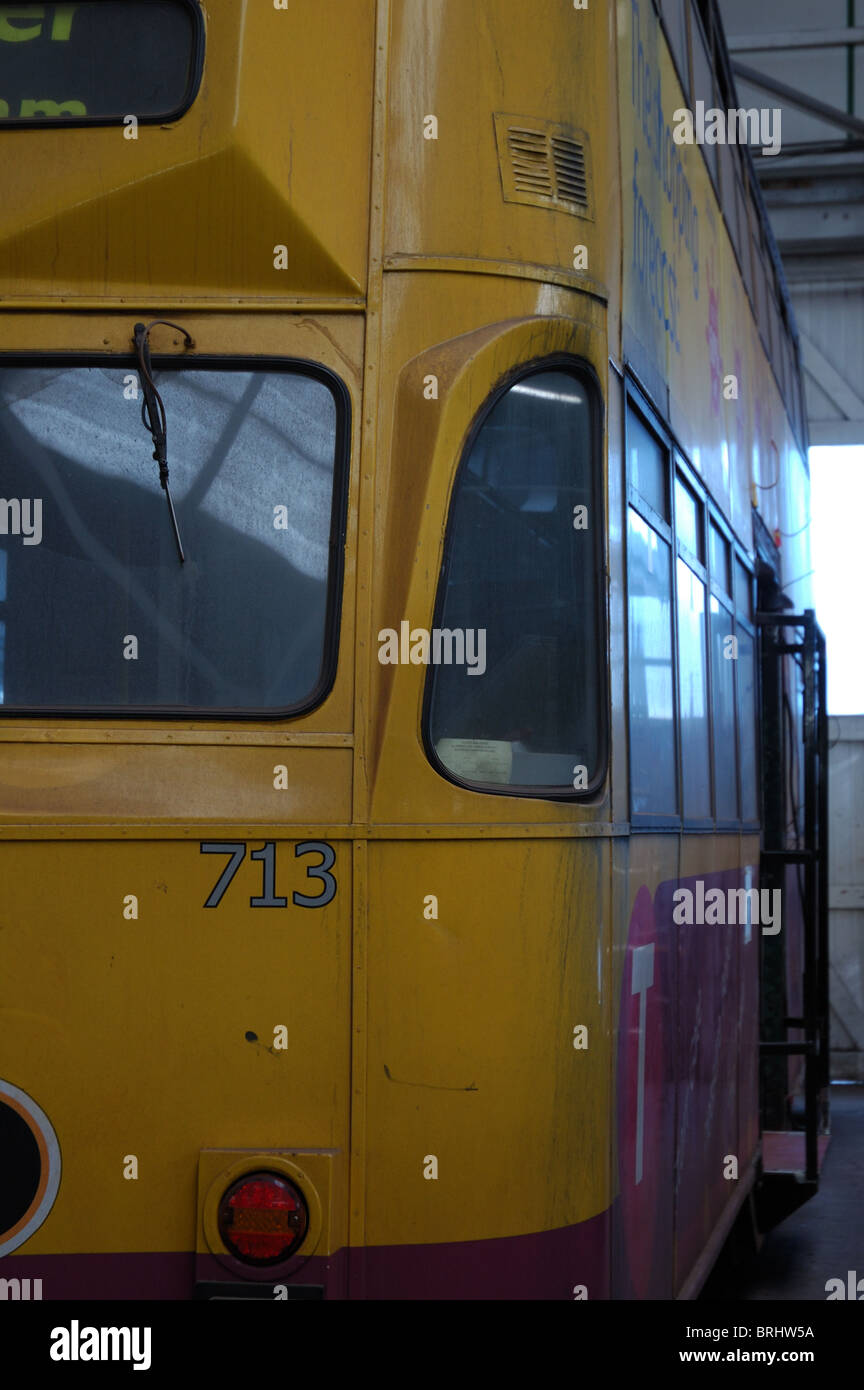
746, 623
677, 466
684, 77
698, 32
585, 374
336, 546
700, 568
726, 600
636, 400
193, 87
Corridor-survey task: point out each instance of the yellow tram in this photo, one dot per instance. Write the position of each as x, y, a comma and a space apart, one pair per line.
343, 800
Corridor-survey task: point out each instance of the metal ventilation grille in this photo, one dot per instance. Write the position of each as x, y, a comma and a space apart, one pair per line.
571, 181
544, 164
529, 160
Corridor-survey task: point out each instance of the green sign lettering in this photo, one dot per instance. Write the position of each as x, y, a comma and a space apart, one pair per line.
61, 23
62, 26
53, 109
8, 32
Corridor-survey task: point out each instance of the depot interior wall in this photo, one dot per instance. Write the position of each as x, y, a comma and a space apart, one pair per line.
846, 895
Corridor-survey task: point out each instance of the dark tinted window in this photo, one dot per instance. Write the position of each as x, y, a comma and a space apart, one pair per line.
243, 624
743, 584
747, 723
675, 19
723, 658
520, 585
693, 695
648, 462
718, 557
703, 83
688, 519
97, 60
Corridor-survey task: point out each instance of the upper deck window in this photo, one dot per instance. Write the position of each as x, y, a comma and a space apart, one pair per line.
99, 613
99, 62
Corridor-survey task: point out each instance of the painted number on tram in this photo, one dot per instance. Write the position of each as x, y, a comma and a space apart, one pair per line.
266, 856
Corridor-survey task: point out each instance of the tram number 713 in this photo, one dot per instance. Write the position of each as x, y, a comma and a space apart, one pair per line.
267, 856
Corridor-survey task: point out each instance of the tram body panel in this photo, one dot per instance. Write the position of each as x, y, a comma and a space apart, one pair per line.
431, 1006
468, 64
467, 932
194, 210
419, 463
150, 1026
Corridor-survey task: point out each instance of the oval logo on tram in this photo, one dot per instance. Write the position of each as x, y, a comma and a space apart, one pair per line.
31, 1167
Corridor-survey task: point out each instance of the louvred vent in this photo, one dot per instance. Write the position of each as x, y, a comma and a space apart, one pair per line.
571, 183
544, 164
529, 158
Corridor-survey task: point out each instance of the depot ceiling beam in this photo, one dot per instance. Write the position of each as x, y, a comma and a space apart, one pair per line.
836, 432
832, 114
809, 147
798, 38
829, 380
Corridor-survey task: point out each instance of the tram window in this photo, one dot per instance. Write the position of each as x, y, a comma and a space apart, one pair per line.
758, 282
764, 312
703, 84
2, 618
779, 359
788, 369
769, 292
753, 252
693, 695
653, 780
727, 189
98, 60
723, 701
742, 590
100, 612
744, 236
520, 583
688, 519
675, 21
648, 465
718, 554
746, 673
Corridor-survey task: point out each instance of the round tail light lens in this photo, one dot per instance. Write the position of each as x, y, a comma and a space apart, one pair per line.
263, 1218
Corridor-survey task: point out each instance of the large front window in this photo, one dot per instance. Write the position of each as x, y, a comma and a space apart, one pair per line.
98, 613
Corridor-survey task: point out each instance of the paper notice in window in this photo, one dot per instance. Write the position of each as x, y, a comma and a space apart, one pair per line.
477, 759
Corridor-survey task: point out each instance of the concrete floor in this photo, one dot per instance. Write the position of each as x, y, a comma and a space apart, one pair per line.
824, 1239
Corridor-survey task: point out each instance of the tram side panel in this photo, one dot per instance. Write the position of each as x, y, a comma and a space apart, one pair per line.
488, 1069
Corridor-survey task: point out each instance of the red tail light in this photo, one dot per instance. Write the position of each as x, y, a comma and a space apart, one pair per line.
263, 1218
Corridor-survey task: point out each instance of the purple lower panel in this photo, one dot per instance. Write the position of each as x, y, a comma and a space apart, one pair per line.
133, 1276
548, 1265
130, 1276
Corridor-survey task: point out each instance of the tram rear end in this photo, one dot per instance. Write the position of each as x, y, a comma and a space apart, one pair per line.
176, 771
